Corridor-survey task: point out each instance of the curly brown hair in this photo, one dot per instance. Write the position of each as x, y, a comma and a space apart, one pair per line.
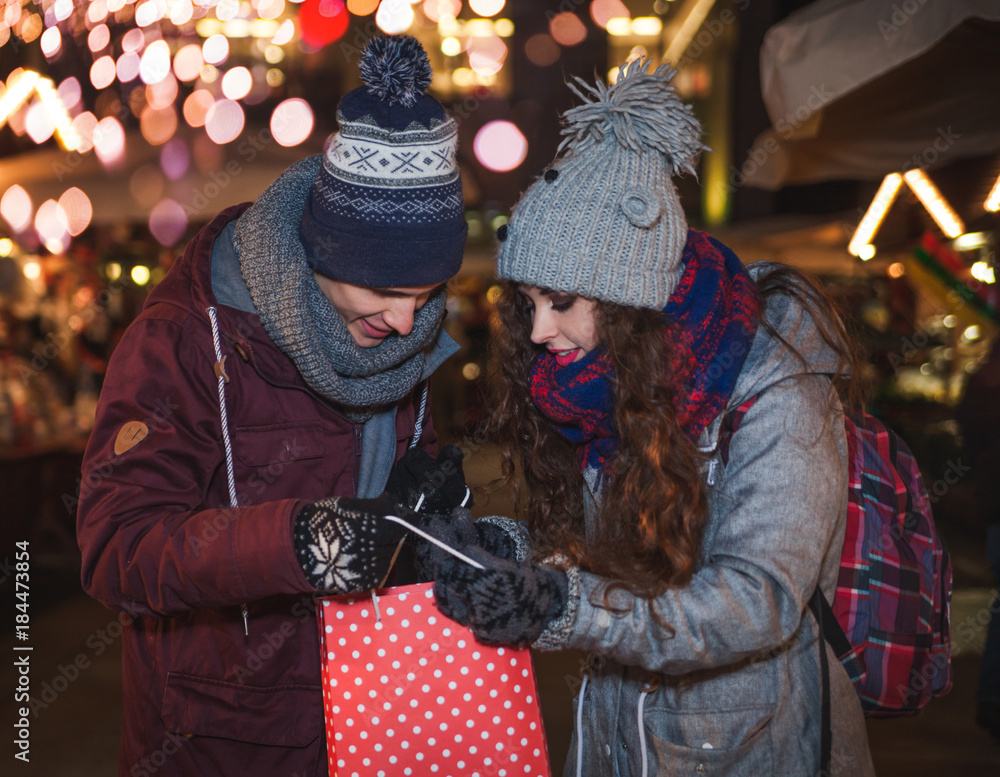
648, 531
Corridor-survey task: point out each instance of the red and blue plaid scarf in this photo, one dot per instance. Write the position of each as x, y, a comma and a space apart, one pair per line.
711, 320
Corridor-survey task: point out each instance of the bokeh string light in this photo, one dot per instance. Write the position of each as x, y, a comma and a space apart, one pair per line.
196, 107
236, 83
224, 121
603, 11
188, 62
70, 92
39, 123
500, 146
487, 7
292, 122
567, 29
16, 208
51, 223
109, 141
168, 222
175, 159
76, 206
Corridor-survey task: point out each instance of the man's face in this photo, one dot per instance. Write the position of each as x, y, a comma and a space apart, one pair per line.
371, 315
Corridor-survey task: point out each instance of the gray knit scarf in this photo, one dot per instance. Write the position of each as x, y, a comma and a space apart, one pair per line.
301, 320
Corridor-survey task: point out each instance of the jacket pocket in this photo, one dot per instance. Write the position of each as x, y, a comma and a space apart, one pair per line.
261, 446
282, 715
736, 743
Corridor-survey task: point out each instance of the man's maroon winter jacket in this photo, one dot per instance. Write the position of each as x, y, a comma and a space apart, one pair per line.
161, 545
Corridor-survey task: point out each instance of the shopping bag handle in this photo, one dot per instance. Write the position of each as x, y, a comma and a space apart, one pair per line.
430, 538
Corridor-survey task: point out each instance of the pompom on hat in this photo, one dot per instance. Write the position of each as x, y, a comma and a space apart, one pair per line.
386, 207
604, 221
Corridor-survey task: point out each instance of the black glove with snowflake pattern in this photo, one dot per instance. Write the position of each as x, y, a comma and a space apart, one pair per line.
346, 545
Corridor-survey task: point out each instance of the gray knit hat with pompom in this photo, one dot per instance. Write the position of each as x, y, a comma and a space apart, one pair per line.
604, 221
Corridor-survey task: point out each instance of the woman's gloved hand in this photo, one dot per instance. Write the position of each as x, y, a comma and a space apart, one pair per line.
427, 485
506, 603
346, 545
497, 535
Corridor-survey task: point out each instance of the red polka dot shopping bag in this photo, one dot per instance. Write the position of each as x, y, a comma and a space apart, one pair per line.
407, 691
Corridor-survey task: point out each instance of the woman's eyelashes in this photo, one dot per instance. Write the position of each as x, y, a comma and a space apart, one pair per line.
558, 302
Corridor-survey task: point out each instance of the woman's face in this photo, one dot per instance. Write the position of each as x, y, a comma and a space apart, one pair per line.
564, 323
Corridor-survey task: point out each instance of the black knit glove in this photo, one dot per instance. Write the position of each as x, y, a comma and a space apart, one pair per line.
440, 481
345, 545
498, 536
503, 537
505, 604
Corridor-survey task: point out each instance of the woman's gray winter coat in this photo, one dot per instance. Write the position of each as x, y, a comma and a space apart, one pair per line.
734, 687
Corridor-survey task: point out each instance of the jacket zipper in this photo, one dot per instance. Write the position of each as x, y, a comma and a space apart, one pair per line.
357, 456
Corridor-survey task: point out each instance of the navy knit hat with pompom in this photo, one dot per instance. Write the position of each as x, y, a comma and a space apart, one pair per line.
386, 207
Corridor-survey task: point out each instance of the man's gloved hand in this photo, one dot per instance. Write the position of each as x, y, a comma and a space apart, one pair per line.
506, 603
498, 536
428, 485
346, 545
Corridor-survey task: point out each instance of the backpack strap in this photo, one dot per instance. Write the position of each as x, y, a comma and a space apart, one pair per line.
829, 629
823, 613
832, 630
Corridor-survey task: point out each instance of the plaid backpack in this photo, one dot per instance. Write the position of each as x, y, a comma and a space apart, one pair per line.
889, 622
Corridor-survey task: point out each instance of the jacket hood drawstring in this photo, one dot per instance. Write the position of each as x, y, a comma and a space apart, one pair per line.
223, 379
579, 725
647, 688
